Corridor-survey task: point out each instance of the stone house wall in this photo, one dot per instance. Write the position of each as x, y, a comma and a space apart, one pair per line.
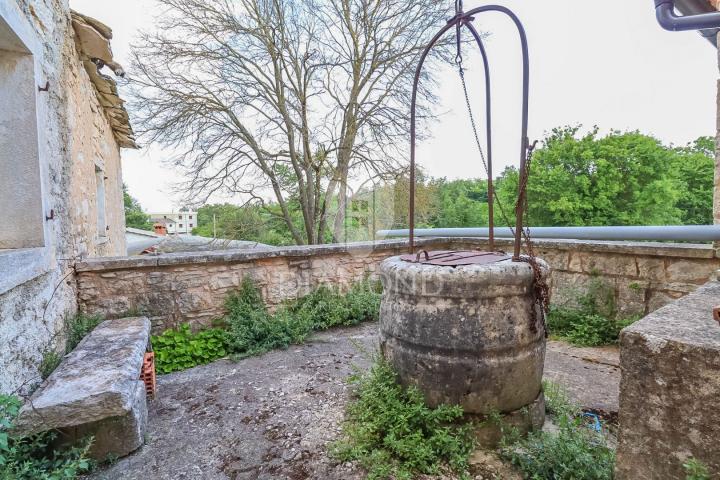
191, 288
37, 289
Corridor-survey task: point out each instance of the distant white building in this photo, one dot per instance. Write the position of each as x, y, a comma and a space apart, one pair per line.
176, 223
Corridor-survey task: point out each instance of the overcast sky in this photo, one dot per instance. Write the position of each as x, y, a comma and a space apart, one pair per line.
592, 63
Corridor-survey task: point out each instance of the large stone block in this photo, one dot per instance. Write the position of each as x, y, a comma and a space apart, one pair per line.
670, 389
95, 390
114, 436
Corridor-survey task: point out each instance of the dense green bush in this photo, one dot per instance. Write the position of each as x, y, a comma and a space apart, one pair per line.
325, 307
32, 457
584, 328
180, 349
252, 329
392, 433
574, 452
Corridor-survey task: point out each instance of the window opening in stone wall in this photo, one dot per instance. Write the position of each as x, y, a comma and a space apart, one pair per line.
100, 201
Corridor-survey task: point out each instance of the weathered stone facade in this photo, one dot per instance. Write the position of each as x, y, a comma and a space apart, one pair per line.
179, 288
76, 148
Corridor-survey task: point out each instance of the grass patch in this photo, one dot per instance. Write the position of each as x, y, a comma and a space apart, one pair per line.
392, 433
574, 452
32, 457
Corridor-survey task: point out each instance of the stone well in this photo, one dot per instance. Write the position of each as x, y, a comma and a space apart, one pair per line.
467, 335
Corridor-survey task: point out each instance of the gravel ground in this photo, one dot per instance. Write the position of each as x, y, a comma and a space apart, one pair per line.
273, 416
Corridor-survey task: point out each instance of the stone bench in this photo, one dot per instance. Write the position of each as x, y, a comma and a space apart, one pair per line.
96, 391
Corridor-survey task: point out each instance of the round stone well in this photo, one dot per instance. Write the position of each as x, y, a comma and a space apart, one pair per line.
470, 335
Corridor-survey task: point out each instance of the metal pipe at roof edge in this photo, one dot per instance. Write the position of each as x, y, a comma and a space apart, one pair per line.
666, 17
702, 233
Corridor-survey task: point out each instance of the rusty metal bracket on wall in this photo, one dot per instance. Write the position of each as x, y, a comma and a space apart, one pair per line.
464, 20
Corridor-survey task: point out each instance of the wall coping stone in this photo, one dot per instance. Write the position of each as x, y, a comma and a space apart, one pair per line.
687, 321
657, 249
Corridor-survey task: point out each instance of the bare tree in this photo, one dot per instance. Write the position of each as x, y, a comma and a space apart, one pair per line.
291, 99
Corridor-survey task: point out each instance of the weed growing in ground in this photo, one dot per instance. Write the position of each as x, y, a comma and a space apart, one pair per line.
74, 329
696, 470
392, 433
593, 322
78, 327
574, 452
50, 361
253, 329
180, 349
32, 457
249, 328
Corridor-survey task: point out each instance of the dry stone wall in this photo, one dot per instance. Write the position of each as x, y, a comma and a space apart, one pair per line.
191, 288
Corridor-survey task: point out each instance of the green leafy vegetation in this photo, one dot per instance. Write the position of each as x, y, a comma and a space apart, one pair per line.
253, 329
593, 322
254, 223
583, 328
249, 328
623, 178
135, 217
33, 457
696, 470
76, 328
50, 361
574, 452
180, 349
392, 433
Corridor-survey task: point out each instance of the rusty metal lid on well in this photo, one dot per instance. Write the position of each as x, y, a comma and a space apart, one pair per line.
455, 258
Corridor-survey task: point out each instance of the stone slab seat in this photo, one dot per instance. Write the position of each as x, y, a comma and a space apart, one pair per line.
96, 391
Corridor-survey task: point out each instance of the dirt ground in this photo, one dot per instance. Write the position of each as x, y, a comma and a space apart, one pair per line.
273, 416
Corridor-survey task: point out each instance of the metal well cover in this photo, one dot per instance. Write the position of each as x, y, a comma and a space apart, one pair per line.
454, 258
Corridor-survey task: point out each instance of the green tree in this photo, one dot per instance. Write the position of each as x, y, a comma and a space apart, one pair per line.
693, 171
134, 215
461, 203
620, 179
255, 223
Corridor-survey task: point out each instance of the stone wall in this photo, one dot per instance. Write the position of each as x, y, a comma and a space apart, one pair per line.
37, 289
669, 390
191, 288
